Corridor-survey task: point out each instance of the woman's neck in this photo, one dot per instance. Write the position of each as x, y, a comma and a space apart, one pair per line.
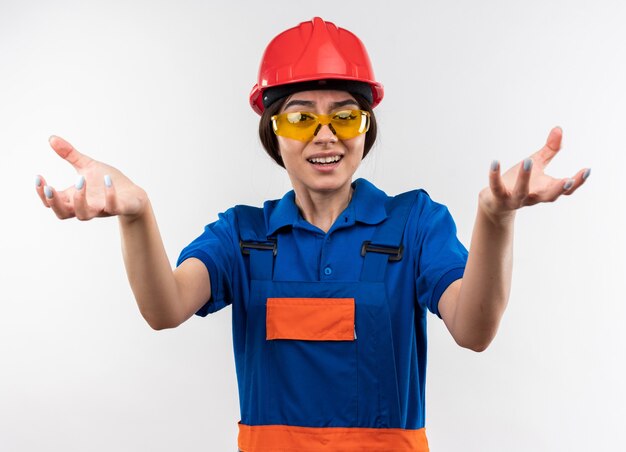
321, 209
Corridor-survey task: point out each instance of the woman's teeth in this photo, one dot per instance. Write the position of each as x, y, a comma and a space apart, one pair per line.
325, 160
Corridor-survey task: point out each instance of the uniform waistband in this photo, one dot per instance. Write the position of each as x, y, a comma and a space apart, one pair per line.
285, 438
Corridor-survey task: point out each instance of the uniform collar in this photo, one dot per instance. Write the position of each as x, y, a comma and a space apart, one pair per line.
367, 206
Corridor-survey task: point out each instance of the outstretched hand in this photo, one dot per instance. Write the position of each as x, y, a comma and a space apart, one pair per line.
526, 183
100, 190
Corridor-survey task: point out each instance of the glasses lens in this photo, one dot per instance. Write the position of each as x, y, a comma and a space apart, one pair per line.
297, 125
350, 123
303, 126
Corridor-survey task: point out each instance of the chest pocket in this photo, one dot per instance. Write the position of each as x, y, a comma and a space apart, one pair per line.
310, 319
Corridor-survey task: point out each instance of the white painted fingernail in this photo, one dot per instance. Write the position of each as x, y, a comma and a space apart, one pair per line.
568, 184
38, 181
107, 180
495, 165
80, 182
586, 173
528, 164
47, 191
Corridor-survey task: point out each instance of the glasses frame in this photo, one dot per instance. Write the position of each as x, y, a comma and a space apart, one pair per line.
321, 120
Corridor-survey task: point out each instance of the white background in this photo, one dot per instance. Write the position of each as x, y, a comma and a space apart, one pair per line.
160, 90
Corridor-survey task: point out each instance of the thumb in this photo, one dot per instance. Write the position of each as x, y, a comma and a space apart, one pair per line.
552, 146
554, 138
67, 152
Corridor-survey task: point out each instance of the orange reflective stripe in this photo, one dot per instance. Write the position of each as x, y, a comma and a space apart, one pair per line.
310, 319
283, 438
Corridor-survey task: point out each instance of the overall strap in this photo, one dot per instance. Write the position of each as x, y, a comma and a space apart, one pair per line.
254, 242
386, 243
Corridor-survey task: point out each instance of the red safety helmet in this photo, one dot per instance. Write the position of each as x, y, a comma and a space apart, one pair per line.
314, 50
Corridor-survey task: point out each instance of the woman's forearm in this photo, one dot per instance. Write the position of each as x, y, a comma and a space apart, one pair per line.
486, 285
149, 270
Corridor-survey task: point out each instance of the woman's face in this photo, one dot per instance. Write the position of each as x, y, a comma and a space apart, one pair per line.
301, 158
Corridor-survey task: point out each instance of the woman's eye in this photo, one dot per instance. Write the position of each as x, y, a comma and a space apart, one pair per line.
344, 115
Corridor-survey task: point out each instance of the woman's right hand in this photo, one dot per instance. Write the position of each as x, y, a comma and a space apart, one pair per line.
100, 190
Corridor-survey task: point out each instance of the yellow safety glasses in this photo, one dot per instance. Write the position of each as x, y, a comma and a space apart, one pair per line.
303, 126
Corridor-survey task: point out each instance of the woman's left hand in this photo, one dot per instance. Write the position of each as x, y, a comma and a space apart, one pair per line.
526, 183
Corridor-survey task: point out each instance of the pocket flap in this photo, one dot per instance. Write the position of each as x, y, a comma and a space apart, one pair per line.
310, 319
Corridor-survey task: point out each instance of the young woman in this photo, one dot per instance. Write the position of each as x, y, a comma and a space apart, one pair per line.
329, 285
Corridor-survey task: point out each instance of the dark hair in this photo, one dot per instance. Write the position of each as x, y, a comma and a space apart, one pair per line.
270, 143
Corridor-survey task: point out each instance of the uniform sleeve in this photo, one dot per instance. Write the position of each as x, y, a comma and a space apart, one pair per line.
441, 256
217, 250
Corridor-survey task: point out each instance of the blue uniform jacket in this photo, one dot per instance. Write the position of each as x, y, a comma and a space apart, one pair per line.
293, 380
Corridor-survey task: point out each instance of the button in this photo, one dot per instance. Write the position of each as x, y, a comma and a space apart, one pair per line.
328, 271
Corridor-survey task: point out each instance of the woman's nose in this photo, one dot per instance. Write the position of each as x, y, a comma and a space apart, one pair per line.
325, 134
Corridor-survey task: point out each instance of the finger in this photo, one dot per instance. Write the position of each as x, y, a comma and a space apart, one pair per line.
110, 198
67, 152
552, 146
554, 138
40, 183
81, 207
520, 192
58, 202
495, 180
579, 179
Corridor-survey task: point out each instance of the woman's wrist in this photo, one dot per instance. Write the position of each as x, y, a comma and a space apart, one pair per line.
488, 208
141, 212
